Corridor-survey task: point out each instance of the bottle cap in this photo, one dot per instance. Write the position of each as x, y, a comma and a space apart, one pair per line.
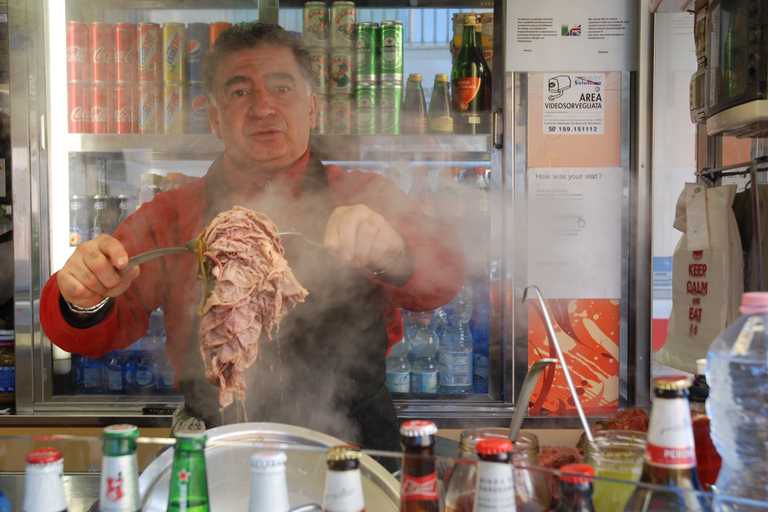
672, 382
494, 446
701, 366
414, 77
121, 431
418, 428
268, 459
44, 456
576, 473
343, 452
753, 303
441, 77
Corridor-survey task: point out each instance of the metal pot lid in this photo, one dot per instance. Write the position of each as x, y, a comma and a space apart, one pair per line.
227, 456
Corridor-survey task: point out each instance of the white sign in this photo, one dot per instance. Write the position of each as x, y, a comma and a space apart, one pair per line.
574, 232
596, 35
574, 104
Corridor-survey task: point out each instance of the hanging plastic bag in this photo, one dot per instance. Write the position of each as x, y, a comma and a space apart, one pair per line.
707, 274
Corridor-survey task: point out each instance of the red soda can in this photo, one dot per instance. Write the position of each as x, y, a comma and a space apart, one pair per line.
174, 37
78, 107
173, 108
149, 44
102, 52
77, 51
102, 107
126, 63
150, 120
217, 27
126, 108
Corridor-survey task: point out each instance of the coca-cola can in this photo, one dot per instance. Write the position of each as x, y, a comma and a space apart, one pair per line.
102, 107
78, 107
149, 44
102, 52
150, 120
126, 108
77, 51
126, 63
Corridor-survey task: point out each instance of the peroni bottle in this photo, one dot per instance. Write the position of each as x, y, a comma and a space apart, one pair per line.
419, 490
576, 488
119, 490
414, 106
670, 458
495, 483
43, 483
269, 488
343, 480
439, 118
189, 481
468, 89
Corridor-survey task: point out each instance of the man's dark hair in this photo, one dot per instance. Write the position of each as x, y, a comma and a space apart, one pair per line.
244, 36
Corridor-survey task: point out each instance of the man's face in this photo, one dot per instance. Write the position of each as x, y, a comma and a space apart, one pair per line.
263, 111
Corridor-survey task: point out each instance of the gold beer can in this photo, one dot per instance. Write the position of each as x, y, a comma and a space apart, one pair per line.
343, 22
316, 32
340, 119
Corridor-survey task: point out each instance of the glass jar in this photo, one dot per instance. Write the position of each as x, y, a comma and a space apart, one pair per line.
7, 368
615, 454
531, 490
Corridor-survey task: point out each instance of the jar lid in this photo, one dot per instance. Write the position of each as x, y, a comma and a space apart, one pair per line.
672, 382
418, 428
576, 473
121, 431
44, 456
343, 452
268, 459
494, 446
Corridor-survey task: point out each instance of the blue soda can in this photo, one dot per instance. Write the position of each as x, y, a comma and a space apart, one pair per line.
198, 109
197, 46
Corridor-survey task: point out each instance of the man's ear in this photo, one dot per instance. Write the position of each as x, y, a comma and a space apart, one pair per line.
213, 115
312, 110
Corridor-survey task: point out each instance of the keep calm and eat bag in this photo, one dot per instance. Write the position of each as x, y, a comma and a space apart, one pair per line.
707, 274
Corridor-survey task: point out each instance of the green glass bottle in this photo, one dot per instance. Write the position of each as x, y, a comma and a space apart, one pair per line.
468, 86
189, 483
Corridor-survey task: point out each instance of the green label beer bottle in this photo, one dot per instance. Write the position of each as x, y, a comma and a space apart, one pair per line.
189, 483
119, 470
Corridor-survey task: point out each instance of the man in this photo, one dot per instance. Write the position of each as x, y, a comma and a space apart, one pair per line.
325, 368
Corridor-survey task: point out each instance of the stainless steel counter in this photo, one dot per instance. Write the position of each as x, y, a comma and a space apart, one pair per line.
82, 489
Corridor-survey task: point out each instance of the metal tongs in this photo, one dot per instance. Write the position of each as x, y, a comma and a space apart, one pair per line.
561, 358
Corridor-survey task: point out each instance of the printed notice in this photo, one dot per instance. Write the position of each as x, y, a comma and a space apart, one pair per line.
574, 104
596, 35
574, 232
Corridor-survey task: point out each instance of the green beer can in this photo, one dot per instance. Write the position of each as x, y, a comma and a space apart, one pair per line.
365, 102
390, 100
367, 51
391, 68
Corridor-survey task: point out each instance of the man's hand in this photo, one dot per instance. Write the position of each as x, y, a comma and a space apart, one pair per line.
359, 237
91, 273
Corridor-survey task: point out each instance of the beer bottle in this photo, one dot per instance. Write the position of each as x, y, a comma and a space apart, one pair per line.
576, 488
43, 483
495, 482
468, 89
670, 458
189, 482
439, 119
419, 492
269, 488
343, 481
119, 490
414, 110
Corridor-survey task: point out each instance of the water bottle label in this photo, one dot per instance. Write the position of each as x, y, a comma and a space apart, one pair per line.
7, 379
399, 382
144, 377
115, 380
167, 378
130, 377
91, 377
423, 382
480, 371
455, 368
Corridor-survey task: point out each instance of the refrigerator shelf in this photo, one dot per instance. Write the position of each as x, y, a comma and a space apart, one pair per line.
328, 147
87, 5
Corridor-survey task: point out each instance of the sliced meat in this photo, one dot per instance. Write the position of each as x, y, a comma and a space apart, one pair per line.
252, 287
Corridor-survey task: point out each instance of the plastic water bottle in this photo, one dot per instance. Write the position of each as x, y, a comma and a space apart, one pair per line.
455, 355
424, 348
737, 373
480, 327
399, 368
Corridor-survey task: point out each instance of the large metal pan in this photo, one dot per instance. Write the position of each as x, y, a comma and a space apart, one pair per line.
227, 457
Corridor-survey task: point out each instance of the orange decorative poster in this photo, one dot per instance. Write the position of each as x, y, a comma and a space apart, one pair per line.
588, 333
